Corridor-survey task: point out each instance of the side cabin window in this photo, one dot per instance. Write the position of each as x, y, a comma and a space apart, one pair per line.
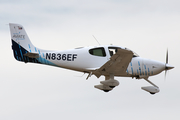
98, 52
113, 50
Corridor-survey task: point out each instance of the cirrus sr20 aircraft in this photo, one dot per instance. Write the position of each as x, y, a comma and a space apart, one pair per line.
108, 60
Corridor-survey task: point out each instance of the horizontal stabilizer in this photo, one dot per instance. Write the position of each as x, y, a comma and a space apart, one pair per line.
32, 55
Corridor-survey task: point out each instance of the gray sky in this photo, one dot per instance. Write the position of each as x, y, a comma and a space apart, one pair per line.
35, 92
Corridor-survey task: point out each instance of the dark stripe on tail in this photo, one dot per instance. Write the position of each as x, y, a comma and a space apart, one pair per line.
19, 52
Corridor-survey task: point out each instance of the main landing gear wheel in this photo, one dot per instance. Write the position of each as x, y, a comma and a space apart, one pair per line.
106, 90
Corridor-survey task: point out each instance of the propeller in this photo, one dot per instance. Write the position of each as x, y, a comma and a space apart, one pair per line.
167, 66
166, 63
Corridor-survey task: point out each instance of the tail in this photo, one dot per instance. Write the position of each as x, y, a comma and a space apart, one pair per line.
22, 47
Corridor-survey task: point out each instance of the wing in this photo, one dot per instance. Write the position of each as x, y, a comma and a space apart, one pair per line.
117, 64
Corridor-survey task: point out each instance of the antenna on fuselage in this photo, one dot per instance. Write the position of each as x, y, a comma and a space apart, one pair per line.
96, 40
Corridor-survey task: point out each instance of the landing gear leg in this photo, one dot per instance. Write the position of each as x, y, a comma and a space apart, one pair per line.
151, 83
151, 89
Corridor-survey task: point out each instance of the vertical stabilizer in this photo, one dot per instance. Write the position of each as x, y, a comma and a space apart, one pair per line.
21, 43
19, 35
23, 49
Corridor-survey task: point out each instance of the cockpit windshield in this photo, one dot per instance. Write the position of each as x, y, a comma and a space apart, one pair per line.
134, 54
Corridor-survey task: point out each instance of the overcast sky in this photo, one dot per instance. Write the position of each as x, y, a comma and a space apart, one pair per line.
39, 92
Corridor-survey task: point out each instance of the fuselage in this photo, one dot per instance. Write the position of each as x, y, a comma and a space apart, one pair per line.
87, 59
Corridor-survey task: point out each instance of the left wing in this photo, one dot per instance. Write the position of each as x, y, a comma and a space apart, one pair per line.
117, 64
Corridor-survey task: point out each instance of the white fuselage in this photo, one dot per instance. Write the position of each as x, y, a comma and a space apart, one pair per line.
80, 59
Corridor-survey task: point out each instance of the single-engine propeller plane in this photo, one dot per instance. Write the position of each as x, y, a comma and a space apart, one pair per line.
108, 60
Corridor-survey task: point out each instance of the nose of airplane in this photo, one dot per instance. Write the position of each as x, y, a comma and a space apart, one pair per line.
168, 67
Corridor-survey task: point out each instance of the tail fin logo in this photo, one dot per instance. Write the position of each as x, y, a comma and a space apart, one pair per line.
17, 36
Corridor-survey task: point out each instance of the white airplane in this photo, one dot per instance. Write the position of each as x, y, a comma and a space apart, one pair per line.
108, 60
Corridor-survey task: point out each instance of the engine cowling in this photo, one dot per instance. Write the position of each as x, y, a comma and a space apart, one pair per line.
151, 89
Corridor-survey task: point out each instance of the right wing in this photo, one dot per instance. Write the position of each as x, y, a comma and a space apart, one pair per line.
117, 64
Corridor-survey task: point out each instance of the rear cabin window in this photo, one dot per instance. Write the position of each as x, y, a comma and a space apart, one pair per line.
98, 52
113, 50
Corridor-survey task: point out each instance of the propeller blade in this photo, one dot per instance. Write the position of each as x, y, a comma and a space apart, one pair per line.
165, 74
167, 56
166, 64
